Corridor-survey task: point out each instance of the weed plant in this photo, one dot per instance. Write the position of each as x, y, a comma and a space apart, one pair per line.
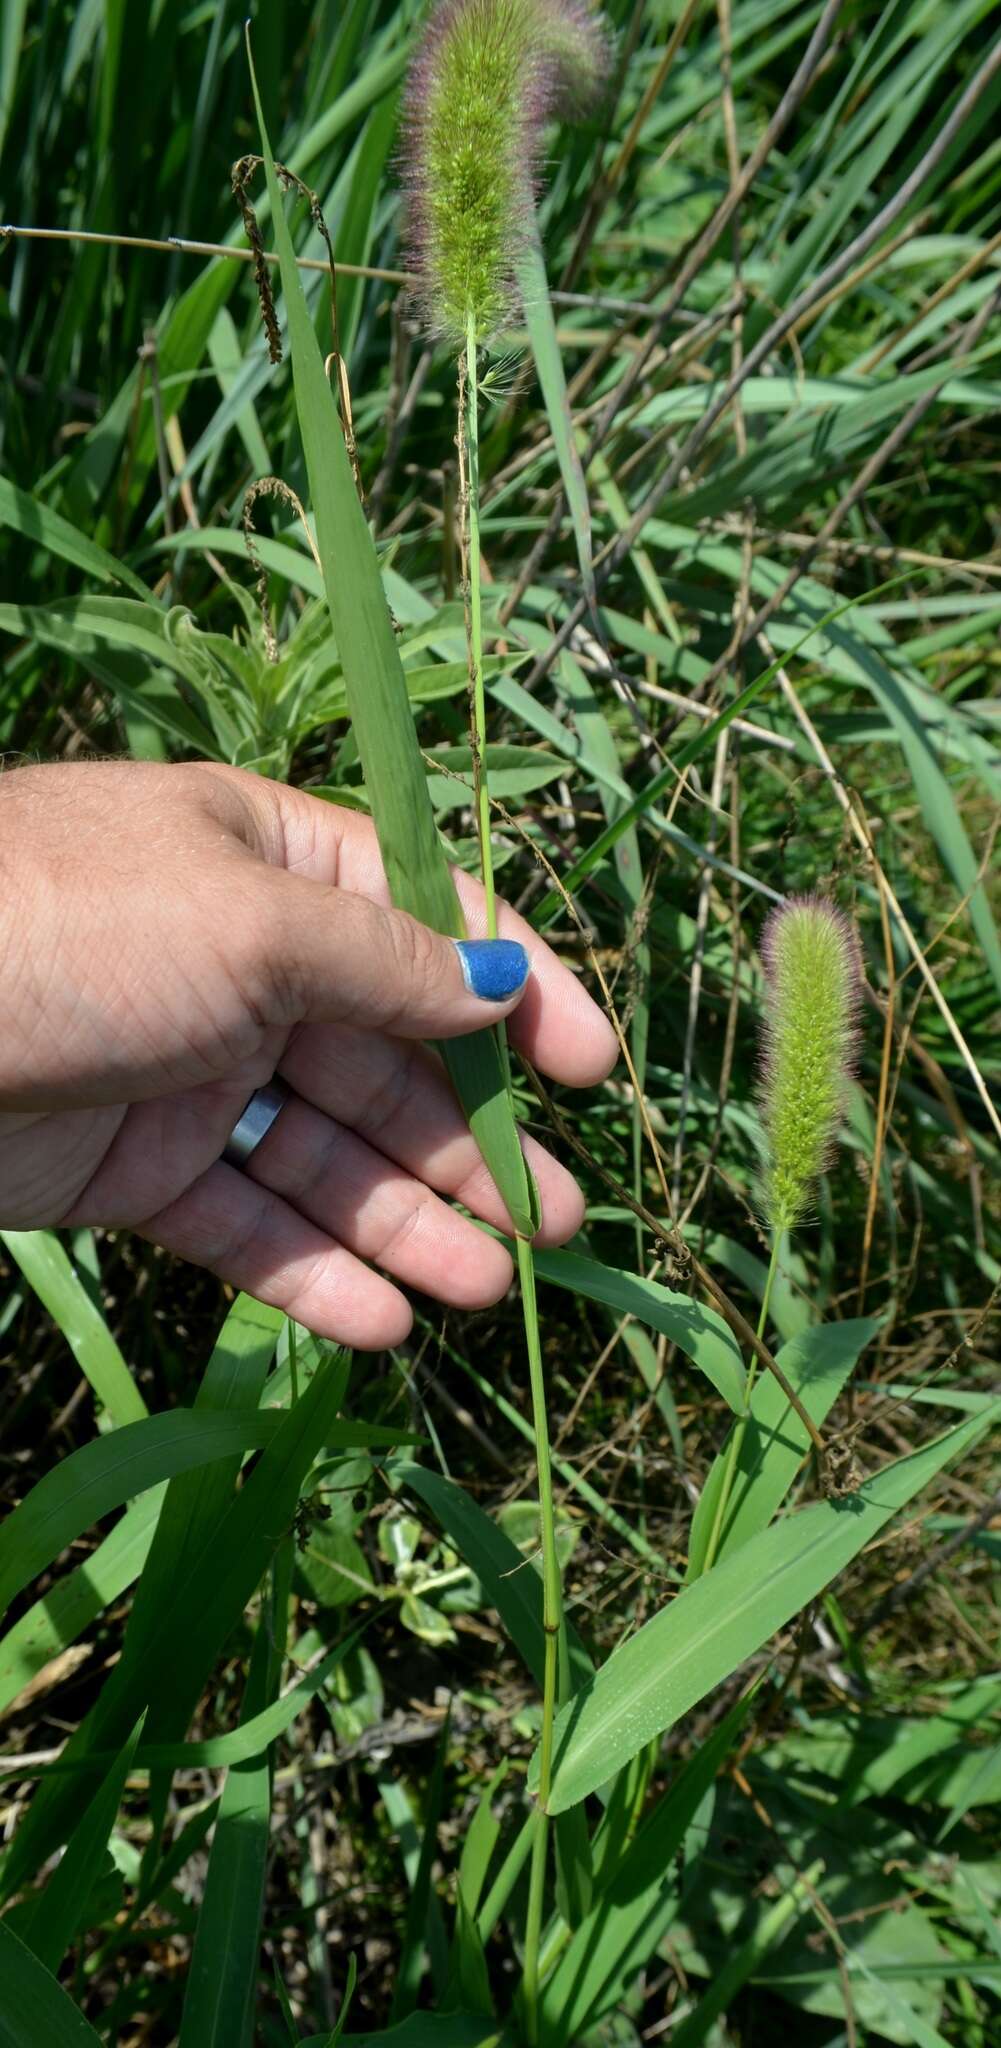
620, 1666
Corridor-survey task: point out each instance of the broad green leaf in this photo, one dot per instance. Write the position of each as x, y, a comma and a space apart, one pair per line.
47, 1267
713, 1626
100, 1477
33, 2007
382, 721
699, 1332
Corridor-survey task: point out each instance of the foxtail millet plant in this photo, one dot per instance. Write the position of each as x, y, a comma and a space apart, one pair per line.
485, 78
812, 985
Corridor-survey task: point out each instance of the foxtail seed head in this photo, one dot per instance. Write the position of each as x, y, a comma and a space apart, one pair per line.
812, 978
478, 94
579, 47
486, 77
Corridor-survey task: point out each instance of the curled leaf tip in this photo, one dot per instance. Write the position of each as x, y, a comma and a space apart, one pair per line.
812, 988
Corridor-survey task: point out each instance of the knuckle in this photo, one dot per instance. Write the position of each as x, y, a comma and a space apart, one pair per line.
415, 957
388, 1093
401, 1237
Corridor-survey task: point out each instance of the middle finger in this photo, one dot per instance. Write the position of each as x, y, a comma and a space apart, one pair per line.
398, 1098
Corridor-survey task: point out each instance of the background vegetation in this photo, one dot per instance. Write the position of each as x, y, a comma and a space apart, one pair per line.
774, 259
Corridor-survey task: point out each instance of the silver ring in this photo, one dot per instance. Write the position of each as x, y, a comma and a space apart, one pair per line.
264, 1106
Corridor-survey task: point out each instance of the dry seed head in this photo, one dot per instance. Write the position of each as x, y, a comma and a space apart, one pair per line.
812, 980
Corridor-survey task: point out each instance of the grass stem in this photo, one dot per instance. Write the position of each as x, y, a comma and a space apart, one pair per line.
476, 628
739, 1430
552, 1597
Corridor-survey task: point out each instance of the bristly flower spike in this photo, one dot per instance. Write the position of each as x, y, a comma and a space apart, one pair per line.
478, 94
579, 46
812, 985
487, 76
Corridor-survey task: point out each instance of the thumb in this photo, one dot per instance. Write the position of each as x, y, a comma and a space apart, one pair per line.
336, 957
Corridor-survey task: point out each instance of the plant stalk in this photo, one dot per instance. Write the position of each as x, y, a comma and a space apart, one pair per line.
476, 628
739, 1430
552, 1596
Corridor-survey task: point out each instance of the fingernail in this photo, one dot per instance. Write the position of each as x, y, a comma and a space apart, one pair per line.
492, 969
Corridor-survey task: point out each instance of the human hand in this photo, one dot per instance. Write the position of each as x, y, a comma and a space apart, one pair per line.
170, 938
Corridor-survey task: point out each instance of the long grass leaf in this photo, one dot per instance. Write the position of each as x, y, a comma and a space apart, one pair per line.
47, 1267
168, 1655
101, 1476
534, 287
415, 1943
699, 1332
220, 1994
774, 1443
515, 1590
68, 1608
38, 523
741, 1962
632, 1914
33, 2007
58, 1911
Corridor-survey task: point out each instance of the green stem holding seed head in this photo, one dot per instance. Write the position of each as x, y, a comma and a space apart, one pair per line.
552, 1592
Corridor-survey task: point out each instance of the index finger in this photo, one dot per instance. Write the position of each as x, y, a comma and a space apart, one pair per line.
557, 1024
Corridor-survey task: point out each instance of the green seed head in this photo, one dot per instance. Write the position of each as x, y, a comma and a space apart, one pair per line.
486, 77
579, 46
812, 977
478, 94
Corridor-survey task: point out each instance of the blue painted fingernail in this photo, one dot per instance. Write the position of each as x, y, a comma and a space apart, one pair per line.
492, 969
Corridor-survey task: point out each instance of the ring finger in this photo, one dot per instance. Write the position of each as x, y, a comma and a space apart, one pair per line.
376, 1209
